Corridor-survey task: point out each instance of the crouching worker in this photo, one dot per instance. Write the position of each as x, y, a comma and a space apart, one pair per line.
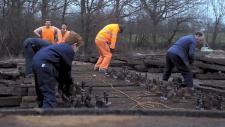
52, 65
31, 46
181, 55
106, 43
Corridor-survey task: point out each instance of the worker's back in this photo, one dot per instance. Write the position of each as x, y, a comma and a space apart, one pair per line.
60, 55
109, 31
183, 47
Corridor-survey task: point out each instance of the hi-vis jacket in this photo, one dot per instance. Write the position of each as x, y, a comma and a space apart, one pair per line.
109, 34
48, 33
62, 37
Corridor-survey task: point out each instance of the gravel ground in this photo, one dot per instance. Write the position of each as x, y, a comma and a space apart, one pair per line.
108, 121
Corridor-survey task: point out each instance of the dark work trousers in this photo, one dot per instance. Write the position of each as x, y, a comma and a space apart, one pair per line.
172, 61
28, 54
45, 84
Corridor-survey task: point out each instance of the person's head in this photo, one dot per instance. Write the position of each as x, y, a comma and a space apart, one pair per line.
199, 36
74, 39
64, 26
121, 28
48, 23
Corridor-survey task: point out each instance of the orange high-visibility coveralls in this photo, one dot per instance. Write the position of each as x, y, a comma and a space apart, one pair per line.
62, 37
48, 33
106, 39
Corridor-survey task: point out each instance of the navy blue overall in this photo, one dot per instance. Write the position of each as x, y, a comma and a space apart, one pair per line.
180, 55
31, 46
52, 65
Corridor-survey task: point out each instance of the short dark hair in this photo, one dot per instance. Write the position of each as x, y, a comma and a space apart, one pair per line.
64, 24
121, 28
47, 19
198, 33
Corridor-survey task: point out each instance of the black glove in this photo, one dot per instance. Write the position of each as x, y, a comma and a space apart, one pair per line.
191, 59
112, 50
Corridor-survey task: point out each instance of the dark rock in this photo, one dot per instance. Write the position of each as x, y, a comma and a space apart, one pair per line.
141, 68
158, 62
117, 63
134, 62
93, 59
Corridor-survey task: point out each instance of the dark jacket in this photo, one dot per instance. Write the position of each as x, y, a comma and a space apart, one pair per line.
61, 57
184, 47
36, 43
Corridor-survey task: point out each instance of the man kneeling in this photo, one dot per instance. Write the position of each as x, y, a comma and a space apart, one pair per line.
51, 65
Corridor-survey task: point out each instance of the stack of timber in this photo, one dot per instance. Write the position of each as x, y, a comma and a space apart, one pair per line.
10, 92
212, 64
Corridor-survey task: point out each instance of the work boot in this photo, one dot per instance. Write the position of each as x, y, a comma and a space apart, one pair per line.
96, 68
103, 71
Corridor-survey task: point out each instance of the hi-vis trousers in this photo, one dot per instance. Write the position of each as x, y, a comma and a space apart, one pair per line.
105, 54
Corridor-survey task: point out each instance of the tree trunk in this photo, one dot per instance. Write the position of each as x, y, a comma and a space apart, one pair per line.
155, 21
117, 11
3, 8
44, 10
64, 10
214, 36
170, 39
154, 31
83, 15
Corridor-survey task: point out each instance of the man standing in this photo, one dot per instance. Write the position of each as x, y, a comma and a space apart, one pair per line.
181, 55
47, 32
63, 33
106, 43
31, 46
51, 65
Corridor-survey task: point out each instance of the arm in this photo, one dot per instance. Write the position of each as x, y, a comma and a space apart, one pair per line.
66, 83
37, 31
114, 37
57, 33
191, 52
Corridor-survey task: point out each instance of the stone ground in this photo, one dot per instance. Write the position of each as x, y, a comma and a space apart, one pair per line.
124, 94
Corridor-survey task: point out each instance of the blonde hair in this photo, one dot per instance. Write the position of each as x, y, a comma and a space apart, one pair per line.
74, 38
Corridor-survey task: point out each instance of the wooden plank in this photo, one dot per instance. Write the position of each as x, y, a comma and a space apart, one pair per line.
10, 101
218, 61
9, 74
210, 76
10, 91
210, 90
209, 66
8, 64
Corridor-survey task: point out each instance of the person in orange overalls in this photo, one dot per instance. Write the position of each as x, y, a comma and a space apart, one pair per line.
47, 32
106, 43
64, 32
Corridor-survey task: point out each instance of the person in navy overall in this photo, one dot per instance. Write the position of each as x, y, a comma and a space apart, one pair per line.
181, 55
52, 65
31, 46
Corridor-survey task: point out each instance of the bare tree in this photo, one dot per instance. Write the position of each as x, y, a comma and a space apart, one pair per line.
218, 7
44, 9
160, 10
